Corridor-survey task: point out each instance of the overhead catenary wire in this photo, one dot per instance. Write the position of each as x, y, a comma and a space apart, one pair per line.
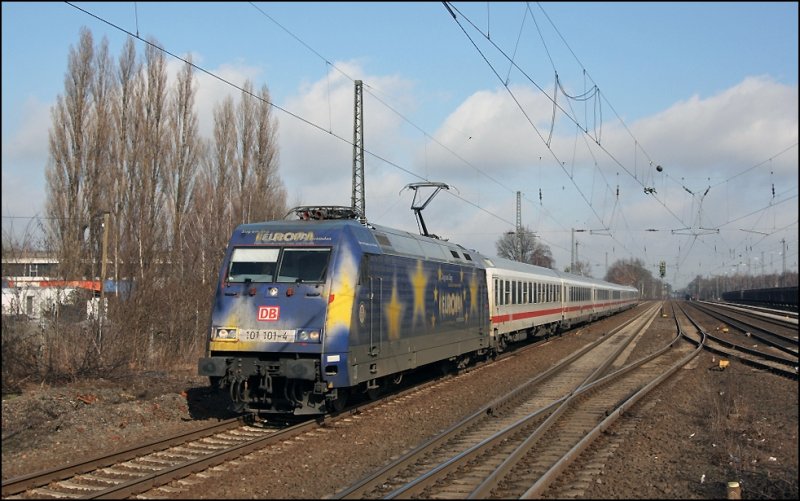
279, 108
591, 201
587, 94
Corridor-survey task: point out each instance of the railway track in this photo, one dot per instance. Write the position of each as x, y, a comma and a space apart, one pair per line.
151, 466
530, 434
137, 469
774, 350
777, 332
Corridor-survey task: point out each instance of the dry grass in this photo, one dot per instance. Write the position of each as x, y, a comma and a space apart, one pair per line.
748, 429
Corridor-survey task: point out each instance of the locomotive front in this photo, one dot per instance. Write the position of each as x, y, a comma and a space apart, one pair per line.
276, 341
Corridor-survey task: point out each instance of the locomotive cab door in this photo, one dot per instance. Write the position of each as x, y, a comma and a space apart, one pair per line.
370, 312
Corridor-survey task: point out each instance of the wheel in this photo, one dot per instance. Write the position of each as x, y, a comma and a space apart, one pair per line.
374, 393
501, 344
338, 403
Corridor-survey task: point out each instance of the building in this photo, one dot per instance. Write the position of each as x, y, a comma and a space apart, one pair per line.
29, 289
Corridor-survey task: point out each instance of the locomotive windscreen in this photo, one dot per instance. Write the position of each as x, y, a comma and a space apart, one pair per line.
291, 265
255, 265
303, 265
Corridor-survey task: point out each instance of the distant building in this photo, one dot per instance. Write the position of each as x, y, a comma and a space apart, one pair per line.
30, 289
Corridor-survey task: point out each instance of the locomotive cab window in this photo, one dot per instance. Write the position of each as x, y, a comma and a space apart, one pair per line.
254, 265
304, 265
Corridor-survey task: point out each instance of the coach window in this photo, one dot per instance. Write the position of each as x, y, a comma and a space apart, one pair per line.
252, 264
514, 292
507, 290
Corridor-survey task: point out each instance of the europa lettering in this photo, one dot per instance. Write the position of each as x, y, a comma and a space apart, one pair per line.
451, 304
287, 236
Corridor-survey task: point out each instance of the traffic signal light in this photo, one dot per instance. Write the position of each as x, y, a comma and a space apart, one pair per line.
662, 269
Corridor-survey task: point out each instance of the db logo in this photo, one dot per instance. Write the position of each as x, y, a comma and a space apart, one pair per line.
268, 313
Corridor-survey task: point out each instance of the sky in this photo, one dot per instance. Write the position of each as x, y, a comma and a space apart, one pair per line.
655, 131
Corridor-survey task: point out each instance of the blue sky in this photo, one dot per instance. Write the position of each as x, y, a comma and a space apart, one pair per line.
707, 90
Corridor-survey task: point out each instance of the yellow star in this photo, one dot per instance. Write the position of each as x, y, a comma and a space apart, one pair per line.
394, 313
340, 309
418, 283
473, 293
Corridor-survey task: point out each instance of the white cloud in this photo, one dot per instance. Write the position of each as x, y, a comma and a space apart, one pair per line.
316, 140
486, 149
25, 154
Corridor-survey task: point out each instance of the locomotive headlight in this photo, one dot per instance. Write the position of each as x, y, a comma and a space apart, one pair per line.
226, 334
311, 336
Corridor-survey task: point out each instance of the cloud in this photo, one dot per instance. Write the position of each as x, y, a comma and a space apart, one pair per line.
736, 143
25, 154
316, 135
742, 125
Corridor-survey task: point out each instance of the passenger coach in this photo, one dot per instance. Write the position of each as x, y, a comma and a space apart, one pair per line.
527, 300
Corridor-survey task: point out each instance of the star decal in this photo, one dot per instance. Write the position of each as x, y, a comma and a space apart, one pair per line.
394, 312
418, 282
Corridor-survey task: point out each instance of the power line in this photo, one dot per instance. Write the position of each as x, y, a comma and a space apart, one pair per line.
293, 115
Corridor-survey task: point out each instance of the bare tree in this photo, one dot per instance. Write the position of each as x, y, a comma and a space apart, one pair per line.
67, 165
583, 268
214, 195
633, 272
243, 175
525, 248
150, 228
124, 141
101, 149
183, 155
127, 139
270, 199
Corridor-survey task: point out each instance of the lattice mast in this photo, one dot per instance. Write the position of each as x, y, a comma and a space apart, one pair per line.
358, 154
520, 256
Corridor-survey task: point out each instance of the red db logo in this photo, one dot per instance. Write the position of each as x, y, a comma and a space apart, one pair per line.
268, 313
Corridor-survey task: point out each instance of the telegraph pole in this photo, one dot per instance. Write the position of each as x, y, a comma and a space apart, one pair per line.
783, 255
572, 252
358, 154
102, 307
519, 227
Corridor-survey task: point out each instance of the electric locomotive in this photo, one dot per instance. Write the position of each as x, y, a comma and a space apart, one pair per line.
309, 311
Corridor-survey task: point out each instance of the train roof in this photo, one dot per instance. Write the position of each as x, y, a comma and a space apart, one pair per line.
374, 239
394, 241
508, 264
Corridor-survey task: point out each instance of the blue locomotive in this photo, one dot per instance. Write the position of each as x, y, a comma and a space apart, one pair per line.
309, 312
